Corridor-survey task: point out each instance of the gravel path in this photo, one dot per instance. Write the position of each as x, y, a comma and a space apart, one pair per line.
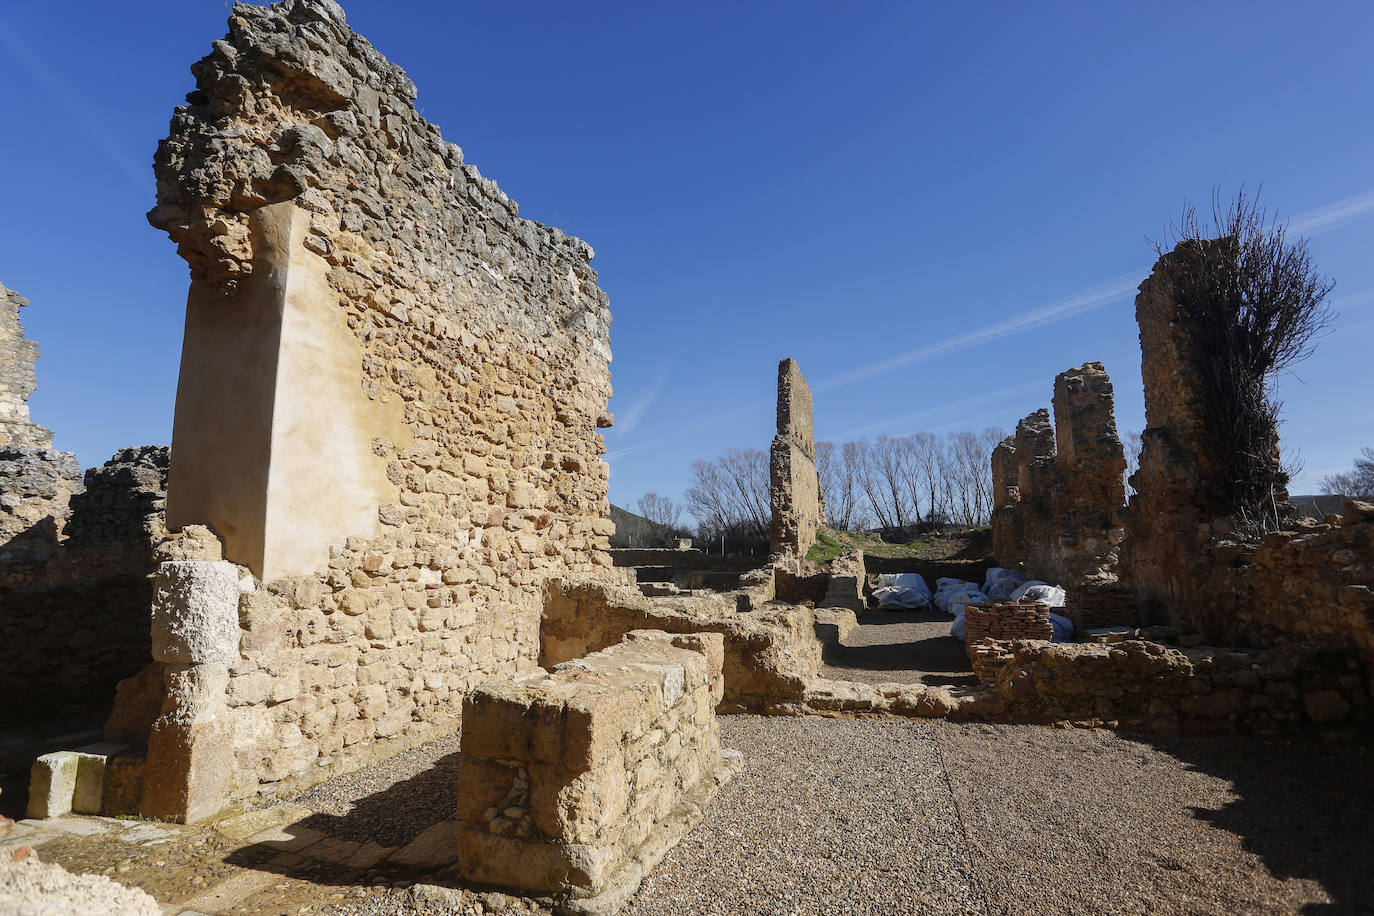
827, 816
1094, 821
390, 802
909, 647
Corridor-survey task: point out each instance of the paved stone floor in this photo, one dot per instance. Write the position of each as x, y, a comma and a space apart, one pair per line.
870, 816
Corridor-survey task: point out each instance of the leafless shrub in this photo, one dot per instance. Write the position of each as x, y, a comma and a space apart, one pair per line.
1357, 483
661, 510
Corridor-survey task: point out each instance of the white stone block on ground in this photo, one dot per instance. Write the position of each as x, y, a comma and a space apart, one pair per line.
52, 785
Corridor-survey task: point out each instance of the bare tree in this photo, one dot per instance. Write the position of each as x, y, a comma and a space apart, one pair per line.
1252, 303
1133, 443
730, 496
837, 475
882, 480
1357, 483
660, 510
927, 455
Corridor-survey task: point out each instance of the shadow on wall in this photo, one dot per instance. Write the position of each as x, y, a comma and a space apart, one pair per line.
1306, 809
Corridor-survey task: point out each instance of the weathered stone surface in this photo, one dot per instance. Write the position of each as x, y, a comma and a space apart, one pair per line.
575, 782
359, 291
769, 654
52, 785
1058, 490
195, 617
74, 588
17, 380
794, 491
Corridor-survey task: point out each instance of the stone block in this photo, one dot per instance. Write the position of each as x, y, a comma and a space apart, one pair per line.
188, 769
195, 614
52, 785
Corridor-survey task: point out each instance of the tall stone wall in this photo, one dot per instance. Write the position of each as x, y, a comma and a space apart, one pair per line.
1090, 504
1007, 543
361, 294
1058, 486
795, 489
1192, 564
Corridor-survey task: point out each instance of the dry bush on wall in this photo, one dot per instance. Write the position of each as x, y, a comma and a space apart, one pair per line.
1251, 303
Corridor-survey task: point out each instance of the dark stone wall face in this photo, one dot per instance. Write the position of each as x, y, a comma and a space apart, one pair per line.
794, 490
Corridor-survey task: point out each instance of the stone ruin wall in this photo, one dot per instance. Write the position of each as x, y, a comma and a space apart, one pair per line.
1058, 485
1311, 584
798, 505
75, 552
449, 357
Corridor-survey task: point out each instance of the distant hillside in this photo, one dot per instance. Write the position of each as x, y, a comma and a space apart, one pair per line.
637, 531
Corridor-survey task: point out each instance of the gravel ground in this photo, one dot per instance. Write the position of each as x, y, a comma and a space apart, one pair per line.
1095, 821
909, 647
392, 801
828, 816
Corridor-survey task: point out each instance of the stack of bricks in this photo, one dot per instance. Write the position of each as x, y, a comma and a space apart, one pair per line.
1007, 620
989, 627
1094, 608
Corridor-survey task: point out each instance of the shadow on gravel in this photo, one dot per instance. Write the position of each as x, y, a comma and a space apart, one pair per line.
915, 642
397, 815
1306, 809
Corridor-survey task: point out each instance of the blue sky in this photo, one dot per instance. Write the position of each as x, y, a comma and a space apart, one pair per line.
933, 207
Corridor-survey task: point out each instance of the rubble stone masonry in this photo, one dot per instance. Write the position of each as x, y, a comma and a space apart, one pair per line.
576, 782
795, 490
74, 554
1058, 488
388, 404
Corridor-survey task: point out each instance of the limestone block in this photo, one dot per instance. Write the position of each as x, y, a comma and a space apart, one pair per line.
186, 775
52, 785
195, 615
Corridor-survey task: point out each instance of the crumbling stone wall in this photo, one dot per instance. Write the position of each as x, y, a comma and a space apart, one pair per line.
576, 782
770, 654
360, 291
1143, 685
74, 615
74, 554
17, 378
1058, 488
1090, 503
795, 488
1007, 540
1194, 565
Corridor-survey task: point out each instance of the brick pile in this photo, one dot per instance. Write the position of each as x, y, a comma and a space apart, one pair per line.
1007, 620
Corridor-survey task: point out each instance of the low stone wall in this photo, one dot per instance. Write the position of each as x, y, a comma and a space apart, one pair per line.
575, 783
770, 654
74, 589
847, 580
1143, 685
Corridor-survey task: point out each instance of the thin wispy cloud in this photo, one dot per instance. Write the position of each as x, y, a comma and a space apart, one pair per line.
913, 420
1313, 222
1083, 301
70, 103
1333, 215
635, 412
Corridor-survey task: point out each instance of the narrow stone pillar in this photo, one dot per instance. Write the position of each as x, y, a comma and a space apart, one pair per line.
795, 496
273, 432
1091, 463
186, 776
1006, 494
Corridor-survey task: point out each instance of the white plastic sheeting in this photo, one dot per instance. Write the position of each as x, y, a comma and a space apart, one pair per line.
1000, 583
1039, 592
902, 591
953, 594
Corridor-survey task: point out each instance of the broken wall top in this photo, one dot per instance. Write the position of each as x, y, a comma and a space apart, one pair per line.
294, 105
17, 379
794, 407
